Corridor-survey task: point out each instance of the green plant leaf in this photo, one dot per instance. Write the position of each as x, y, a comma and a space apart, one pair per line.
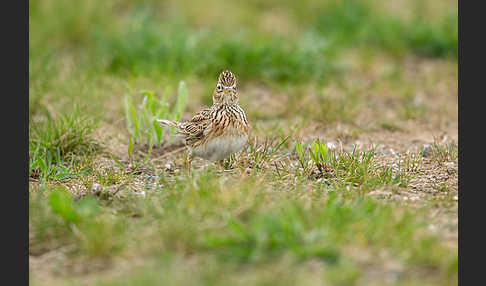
87, 207
130, 147
134, 117
324, 151
298, 148
127, 104
181, 100
158, 131
149, 94
61, 202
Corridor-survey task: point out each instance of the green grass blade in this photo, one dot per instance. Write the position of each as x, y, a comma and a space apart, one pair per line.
181, 100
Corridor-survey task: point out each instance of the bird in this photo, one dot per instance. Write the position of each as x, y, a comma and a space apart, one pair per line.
215, 133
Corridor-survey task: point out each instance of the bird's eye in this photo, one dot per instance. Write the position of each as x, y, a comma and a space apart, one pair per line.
219, 87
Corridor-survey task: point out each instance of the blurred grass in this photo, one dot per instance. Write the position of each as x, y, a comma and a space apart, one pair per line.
145, 50
140, 38
92, 44
356, 23
246, 228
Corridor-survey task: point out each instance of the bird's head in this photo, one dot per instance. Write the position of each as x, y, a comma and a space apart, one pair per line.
226, 91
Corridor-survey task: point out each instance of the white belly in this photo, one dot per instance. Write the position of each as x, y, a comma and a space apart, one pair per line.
220, 148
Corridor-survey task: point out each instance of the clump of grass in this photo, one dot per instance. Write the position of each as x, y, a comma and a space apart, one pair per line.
54, 144
261, 154
142, 119
109, 177
46, 167
411, 162
443, 152
320, 155
347, 169
71, 133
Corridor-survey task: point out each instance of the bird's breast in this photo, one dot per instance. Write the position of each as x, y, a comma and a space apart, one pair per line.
220, 147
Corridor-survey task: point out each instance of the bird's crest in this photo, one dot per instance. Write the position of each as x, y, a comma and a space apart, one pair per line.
227, 79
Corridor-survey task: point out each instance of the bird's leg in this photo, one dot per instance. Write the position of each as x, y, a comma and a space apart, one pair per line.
189, 159
231, 160
221, 164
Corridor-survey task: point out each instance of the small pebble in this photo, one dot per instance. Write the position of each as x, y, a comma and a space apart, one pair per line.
449, 164
96, 189
168, 167
456, 198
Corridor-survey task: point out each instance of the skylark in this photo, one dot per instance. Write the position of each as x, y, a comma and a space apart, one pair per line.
217, 132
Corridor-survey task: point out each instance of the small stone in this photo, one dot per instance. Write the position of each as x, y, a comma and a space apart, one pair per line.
96, 189
168, 167
456, 198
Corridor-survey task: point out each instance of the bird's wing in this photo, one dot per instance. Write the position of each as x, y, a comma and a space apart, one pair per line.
201, 116
194, 128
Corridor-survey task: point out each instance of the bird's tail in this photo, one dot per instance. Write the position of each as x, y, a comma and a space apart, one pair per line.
168, 122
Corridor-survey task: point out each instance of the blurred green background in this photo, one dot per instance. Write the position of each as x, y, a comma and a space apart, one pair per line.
273, 42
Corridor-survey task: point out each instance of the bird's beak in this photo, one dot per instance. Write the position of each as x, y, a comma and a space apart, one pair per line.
227, 90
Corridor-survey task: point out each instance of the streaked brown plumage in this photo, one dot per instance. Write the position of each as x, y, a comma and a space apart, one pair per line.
216, 132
